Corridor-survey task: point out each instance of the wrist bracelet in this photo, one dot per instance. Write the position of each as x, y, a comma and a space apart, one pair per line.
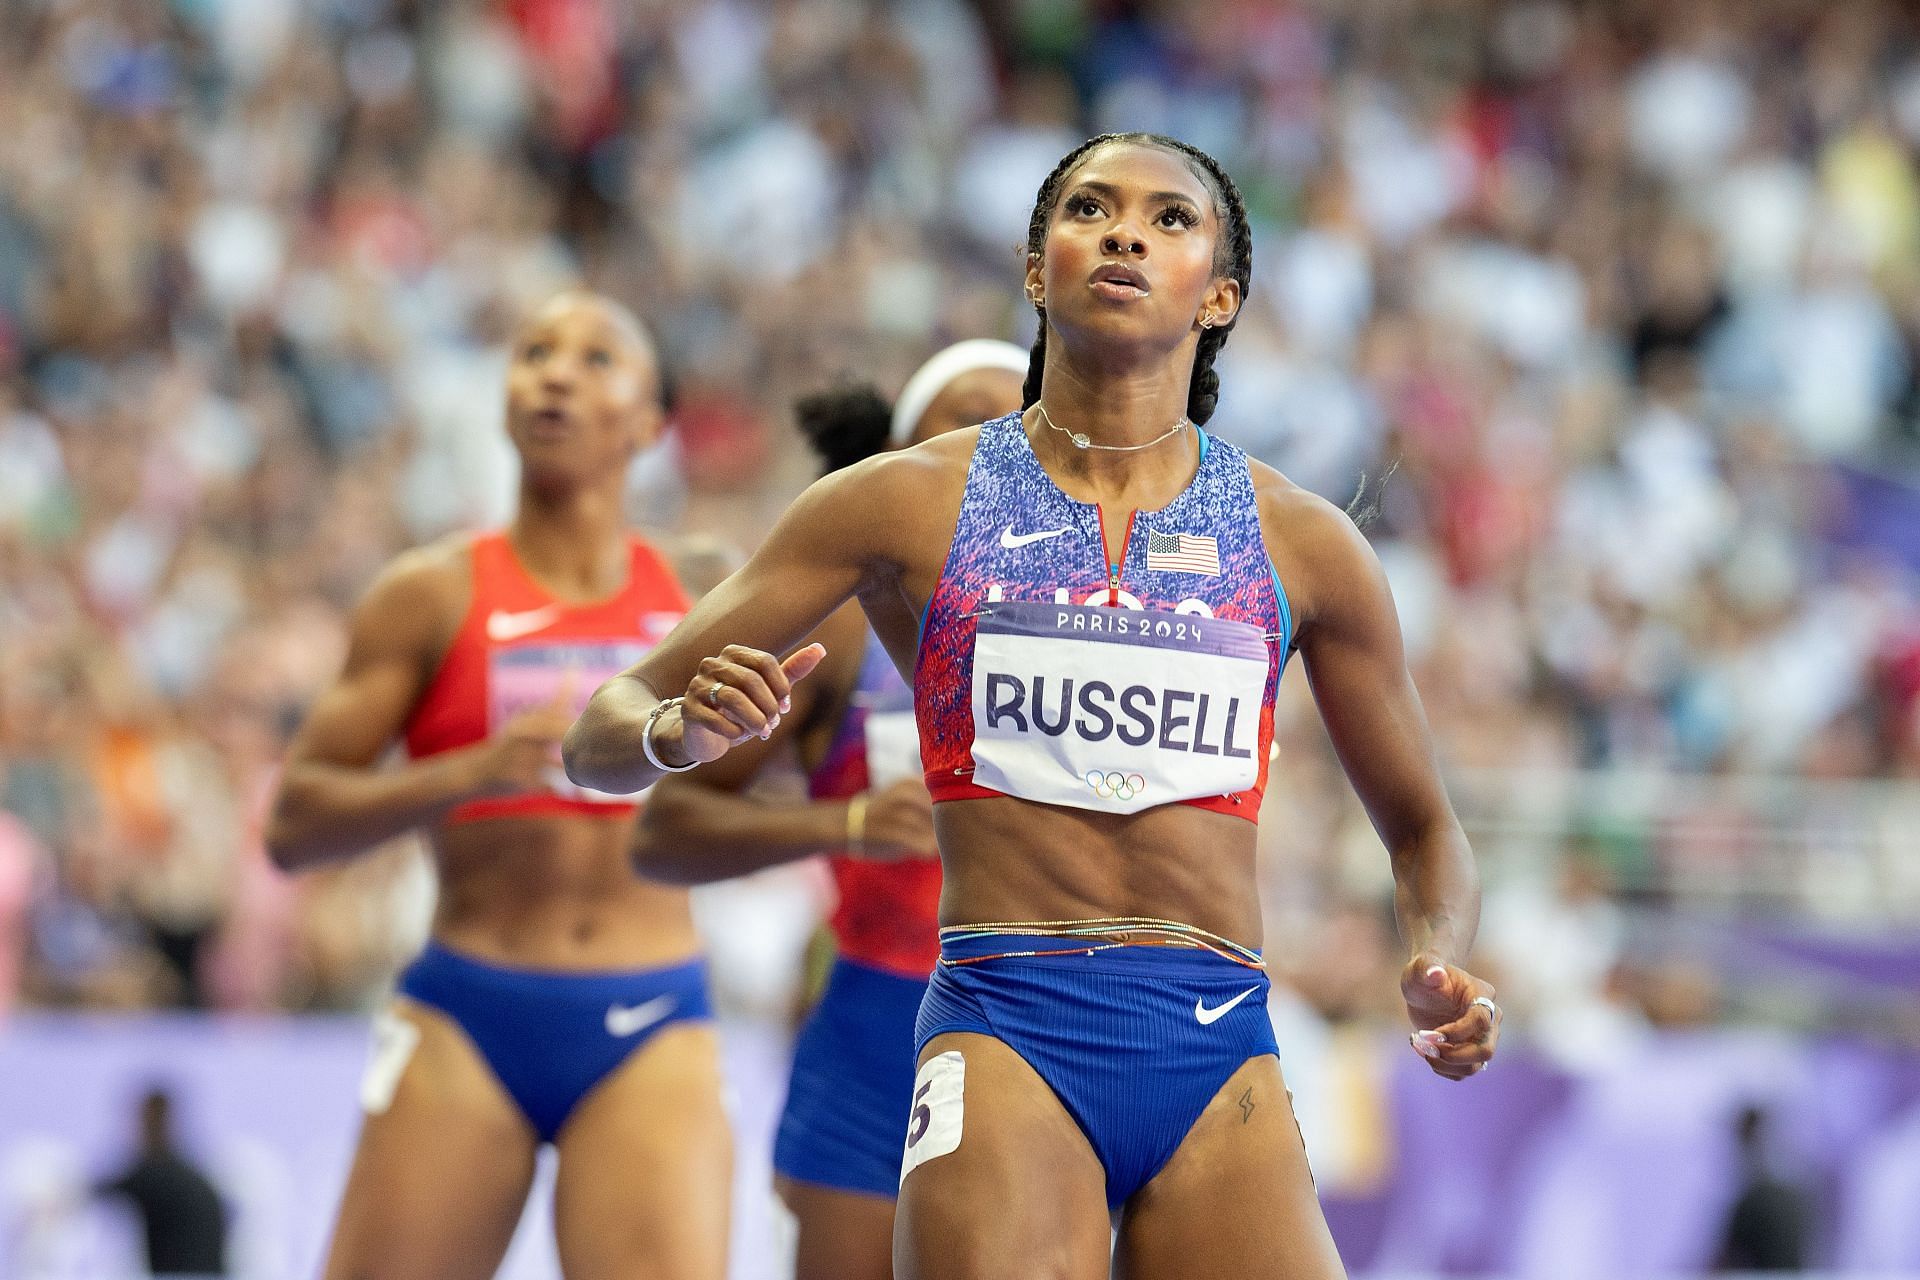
857, 822
646, 738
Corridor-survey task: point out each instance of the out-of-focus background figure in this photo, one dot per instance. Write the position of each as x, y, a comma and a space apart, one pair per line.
180, 1211
1614, 304
1767, 1229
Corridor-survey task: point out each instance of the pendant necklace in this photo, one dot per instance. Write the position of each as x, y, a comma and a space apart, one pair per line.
1082, 441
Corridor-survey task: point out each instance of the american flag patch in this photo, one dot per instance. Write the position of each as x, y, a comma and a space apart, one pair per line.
1182, 553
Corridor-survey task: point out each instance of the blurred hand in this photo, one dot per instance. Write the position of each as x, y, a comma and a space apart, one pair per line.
522, 756
899, 823
738, 694
1455, 1035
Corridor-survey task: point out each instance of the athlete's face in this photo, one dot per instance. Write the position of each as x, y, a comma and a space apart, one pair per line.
976, 396
1129, 255
582, 392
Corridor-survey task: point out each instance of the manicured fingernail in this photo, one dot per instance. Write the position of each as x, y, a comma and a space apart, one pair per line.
1421, 1047
786, 704
1431, 1037
1438, 971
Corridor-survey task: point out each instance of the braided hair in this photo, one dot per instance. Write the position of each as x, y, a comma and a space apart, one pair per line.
1232, 257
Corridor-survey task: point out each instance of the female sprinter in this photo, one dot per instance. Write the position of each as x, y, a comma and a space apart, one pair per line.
837, 1155
561, 999
1094, 699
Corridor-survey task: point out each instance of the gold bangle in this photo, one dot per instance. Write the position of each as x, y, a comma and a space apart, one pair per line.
857, 822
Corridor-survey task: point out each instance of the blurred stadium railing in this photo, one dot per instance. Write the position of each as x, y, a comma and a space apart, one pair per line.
1845, 851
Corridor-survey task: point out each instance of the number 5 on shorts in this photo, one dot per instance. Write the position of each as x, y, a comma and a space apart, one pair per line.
939, 1104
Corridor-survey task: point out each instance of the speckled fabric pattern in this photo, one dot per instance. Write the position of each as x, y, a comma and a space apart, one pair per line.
1020, 538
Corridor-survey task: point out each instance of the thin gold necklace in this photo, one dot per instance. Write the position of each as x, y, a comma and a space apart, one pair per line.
1082, 441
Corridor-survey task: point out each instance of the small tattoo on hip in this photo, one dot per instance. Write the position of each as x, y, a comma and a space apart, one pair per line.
1246, 1105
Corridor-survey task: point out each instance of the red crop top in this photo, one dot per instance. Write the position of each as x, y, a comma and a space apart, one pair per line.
518, 646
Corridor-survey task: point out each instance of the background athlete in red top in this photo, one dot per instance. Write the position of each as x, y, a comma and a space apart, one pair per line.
837, 1155
551, 963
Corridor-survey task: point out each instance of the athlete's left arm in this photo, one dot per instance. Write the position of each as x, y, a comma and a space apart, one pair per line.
1348, 634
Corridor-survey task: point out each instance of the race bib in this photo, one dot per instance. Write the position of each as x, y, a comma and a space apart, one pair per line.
528, 676
1115, 709
893, 748
939, 1111
394, 1040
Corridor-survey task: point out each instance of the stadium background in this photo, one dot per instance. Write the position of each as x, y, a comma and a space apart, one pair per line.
1616, 304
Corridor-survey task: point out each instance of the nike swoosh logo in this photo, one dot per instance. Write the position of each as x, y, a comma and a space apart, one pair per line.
1014, 541
623, 1022
502, 625
1208, 1016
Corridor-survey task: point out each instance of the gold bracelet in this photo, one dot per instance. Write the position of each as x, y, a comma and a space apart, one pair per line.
857, 823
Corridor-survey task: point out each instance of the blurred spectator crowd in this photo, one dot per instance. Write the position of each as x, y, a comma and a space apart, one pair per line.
1608, 312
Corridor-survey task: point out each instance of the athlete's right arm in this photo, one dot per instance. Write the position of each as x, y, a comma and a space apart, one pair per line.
840, 537
333, 800
704, 827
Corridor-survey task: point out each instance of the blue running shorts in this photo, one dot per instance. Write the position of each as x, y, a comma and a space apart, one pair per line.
550, 1036
1135, 1041
852, 1083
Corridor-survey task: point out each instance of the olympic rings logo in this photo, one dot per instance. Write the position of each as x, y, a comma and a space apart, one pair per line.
1115, 786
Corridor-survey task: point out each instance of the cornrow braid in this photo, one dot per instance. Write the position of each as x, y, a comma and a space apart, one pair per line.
1232, 257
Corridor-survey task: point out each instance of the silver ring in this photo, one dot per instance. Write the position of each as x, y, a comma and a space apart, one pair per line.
1486, 1002
712, 695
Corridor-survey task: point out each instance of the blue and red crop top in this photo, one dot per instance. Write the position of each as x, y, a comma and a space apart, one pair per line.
1045, 672
888, 916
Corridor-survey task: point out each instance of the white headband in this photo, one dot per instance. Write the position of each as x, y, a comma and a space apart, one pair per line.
933, 376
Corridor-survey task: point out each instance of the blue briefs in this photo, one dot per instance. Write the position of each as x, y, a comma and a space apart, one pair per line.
1135, 1041
551, 1035
852, 1086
